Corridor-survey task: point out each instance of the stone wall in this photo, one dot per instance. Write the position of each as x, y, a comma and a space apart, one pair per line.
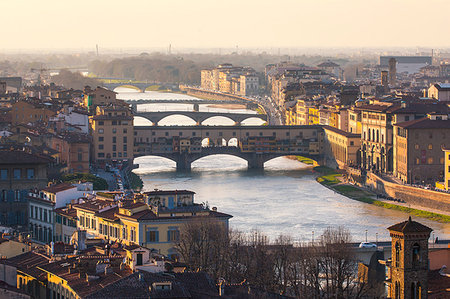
415, 196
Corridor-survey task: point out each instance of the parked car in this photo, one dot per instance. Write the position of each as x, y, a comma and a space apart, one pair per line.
367, 245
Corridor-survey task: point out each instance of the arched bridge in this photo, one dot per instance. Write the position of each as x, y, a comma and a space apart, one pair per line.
255, 160
198, 117
142, 86
255, 144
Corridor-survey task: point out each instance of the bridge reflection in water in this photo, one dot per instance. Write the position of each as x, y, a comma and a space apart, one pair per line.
255, 144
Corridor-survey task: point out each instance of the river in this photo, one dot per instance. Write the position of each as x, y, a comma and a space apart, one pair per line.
284, 198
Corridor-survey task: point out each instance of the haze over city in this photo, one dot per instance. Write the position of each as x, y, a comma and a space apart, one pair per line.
51, 24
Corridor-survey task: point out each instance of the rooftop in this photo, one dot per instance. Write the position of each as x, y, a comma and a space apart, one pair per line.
58, 188
410, 226
21, 157
425, 123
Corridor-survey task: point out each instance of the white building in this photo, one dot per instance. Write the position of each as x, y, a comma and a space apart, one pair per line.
43, 203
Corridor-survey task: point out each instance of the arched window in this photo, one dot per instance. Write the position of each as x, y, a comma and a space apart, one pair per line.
415, 255
397, 254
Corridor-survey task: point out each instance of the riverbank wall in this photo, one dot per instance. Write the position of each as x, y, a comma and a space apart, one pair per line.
412, 195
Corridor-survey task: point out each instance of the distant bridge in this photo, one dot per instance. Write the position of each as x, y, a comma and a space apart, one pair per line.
255, 144
188, 101
141, 86
199, 117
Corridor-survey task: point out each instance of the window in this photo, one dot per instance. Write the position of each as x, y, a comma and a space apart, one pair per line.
406, 118
132, 234
430, 160
416, 146
125, 131
94, 224
81, 220
124, 147
100, 131
173, 235
352, 143
397, 254
80, 157
100, 146
430, 146
45, 215
40, 213
125, 139
114, 130
114, 147
415, 255
101, 123
100, 139
31, 212
101, 155
114, 139
4, 173
17, 173
152, 235
16, 195
417, 161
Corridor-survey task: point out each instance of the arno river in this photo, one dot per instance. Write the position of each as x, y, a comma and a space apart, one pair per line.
284, 198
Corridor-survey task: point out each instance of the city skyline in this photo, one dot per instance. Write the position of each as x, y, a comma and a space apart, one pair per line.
210, 24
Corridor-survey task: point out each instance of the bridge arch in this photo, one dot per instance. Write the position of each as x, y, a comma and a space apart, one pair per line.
127, 85
219, 117
183, 122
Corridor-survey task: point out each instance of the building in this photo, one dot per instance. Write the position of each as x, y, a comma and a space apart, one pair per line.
154, 222
331, 68
32, 111
377, 122
98, 97
65, 223
227, 78
11, 246
112, 134
342, 149
43, 204
20, 172
74, 151
440, 91
408, 268
418, 146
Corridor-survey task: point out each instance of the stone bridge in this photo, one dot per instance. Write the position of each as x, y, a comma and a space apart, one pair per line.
141, 86
199, 117
254, 160
255, 144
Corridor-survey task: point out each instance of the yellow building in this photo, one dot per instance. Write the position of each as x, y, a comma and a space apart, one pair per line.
314, 116
112, 134
10, 247
153, 223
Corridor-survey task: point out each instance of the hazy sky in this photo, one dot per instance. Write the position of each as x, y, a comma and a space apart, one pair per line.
223, 23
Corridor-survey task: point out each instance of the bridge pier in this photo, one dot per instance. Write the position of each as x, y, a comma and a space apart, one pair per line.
256, 162
183, 163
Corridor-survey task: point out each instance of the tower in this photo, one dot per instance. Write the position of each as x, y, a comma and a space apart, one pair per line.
384, 78
392, 71
409, 261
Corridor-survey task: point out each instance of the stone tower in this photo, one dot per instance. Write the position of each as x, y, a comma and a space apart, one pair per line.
409, 262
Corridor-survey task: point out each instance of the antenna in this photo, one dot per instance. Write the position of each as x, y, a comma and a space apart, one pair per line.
96, 46
170, 49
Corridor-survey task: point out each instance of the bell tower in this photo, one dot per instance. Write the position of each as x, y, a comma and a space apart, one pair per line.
409, 261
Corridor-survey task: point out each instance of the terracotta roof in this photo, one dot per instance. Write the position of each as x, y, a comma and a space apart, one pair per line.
184, 285
79, 284
410, 226
425, 123
438, 285
28, 263
21, 157
343, 133
58, 188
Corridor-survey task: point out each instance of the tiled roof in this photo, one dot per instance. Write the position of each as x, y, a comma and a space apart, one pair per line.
58, 188
425, 123
184, 285
80, 285
28, 263
410, 226
21, 157
341, 132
